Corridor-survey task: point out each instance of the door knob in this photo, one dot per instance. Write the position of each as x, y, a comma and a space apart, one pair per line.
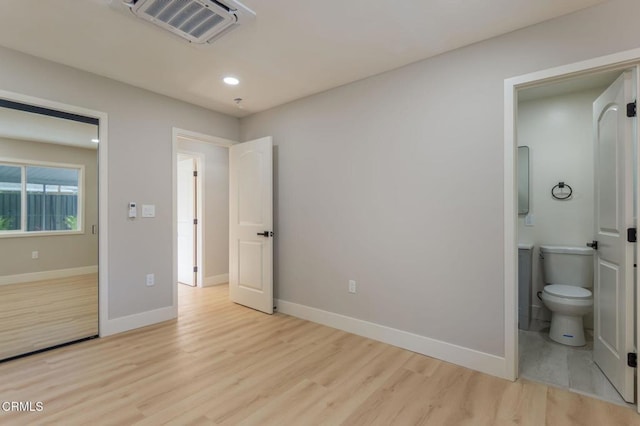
593, 244
265, 234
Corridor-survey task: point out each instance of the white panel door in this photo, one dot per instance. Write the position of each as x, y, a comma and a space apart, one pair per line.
251, 224
186, 215
614, 276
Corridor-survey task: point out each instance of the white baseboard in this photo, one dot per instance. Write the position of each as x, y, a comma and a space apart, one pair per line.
47, 275
469, 358
215, 280
143, 319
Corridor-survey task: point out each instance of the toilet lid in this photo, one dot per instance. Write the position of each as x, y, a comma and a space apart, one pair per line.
568, 291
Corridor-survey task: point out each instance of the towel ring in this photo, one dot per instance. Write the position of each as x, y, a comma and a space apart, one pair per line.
561, 185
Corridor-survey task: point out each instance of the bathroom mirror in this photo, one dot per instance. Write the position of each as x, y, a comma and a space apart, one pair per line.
523, 179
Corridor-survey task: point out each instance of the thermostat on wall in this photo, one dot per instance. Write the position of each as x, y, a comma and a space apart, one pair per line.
133, 210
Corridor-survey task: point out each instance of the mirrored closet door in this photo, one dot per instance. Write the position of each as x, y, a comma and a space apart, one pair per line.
48, 228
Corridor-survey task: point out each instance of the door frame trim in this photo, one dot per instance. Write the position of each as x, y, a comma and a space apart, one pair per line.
621, 60
103, 193
177, 135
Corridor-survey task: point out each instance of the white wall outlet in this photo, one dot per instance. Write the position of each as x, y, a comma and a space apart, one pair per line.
151, 280
35, 254
528, 220
352, 286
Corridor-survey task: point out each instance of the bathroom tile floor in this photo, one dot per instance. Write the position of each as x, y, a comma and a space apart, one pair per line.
543, 360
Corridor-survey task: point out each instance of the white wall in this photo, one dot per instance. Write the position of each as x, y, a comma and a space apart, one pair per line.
216, 204
396, 181
140, 169
558, 132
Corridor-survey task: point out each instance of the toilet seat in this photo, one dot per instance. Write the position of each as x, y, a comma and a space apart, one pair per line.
567, 291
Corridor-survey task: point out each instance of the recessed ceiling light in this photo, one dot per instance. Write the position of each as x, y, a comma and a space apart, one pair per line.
231, 81
94, 140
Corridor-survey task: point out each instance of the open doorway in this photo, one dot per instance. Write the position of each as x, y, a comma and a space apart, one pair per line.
236, 215
201, 210
556, 124
574, 170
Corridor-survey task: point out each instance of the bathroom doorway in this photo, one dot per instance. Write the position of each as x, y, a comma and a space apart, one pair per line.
555, 121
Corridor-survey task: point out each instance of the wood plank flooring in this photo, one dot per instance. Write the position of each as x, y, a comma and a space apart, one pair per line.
221, 363
40, 314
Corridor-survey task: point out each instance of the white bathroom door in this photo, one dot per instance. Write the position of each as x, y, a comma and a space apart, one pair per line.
251, 224
186, 220
614, 275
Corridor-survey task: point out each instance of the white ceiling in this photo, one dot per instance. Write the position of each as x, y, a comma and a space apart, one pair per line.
293, 48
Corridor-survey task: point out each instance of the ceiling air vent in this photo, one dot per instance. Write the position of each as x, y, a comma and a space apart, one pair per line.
199, 21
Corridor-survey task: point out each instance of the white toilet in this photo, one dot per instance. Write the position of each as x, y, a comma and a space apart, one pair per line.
568, 277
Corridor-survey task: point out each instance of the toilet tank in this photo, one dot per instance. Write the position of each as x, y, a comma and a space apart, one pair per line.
567, 265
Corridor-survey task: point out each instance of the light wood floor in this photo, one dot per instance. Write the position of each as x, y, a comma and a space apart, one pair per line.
225, 364
40, 314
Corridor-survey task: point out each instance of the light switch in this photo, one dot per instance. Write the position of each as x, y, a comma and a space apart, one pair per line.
148, 210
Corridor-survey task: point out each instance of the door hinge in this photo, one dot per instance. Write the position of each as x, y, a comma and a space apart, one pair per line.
195, 269
631, 109
632, 360
195, 173
195, 221
632, 235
